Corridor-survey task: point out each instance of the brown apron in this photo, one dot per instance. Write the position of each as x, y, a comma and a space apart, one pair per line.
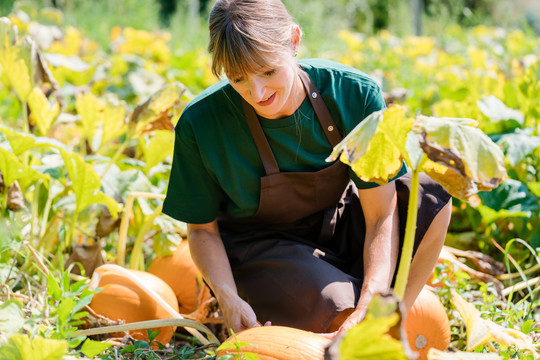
298, 260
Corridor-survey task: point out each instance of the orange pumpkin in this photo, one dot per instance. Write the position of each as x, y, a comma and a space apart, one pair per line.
279, 343
180, 273
123, 299
427, 324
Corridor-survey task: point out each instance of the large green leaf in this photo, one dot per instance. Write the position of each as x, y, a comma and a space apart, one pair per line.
375, 148
463, 158
20, 347
511, 195
86, 183
518, 145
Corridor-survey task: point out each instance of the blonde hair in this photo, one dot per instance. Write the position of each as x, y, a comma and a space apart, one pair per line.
245, 35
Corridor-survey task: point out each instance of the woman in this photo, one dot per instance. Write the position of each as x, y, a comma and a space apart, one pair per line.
280, 235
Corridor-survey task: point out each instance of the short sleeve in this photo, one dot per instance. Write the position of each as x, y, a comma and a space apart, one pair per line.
374, 102
193, 194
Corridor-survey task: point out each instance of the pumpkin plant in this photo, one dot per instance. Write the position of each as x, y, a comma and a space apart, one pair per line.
452, 151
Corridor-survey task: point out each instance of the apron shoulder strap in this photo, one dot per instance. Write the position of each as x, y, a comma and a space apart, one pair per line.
325, 119
265, 152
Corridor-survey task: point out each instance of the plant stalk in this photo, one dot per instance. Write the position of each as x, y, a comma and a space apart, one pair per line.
136, 253
408, 244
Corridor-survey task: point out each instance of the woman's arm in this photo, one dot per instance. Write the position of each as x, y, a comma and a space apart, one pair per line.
381, 244
209, 255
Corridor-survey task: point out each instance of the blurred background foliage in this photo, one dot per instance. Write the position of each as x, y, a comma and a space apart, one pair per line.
320, 19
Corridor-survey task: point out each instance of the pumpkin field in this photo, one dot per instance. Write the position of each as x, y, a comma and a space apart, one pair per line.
86, 143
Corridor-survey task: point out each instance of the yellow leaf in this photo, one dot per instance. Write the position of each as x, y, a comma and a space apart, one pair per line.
90, 108
482, 331
375, 148
43, 114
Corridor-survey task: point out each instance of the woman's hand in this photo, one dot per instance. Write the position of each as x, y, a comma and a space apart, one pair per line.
237, 314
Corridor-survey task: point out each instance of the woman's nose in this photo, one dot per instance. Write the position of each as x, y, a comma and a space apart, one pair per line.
257, 89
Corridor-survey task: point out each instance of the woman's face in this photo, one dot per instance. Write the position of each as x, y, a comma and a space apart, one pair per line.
274, 92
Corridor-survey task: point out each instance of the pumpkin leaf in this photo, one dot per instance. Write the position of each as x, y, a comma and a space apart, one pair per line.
375, 148
20, 347
482, 331
12, 169
472, 160
165, 243
91, 110
518, 145
115, 124
21, 142
91, 348
511, 195
11, 318
496, 110
157, 111
370, 340
43, 114
85, 183
157, 148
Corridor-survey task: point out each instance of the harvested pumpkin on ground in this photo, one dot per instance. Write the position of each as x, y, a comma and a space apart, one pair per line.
123, 299
180, 273
427, 324
277, 343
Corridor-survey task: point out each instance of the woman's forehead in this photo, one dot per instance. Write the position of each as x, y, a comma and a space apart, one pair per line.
255, 64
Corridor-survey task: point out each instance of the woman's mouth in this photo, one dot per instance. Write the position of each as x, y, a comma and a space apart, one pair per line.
267, 101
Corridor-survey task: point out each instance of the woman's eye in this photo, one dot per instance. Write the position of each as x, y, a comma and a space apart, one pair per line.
270, 72
237, 80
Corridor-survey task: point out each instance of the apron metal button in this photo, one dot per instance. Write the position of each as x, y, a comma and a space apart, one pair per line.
330, 128
314, 95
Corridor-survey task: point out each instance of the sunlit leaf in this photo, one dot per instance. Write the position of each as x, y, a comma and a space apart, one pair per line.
464, 150
12, 169
43, 113
21, 142
157, 111
165, 243
482, 331
375, 148
91, 110
114, 124
370, 340
518, 145
156, 148
496, 110
85, 183
20, 347
91, 348
11, 318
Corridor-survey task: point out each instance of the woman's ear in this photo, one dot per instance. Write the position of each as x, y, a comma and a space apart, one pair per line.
295, 39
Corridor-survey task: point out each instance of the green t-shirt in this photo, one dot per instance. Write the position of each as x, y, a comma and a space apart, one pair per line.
216, 166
